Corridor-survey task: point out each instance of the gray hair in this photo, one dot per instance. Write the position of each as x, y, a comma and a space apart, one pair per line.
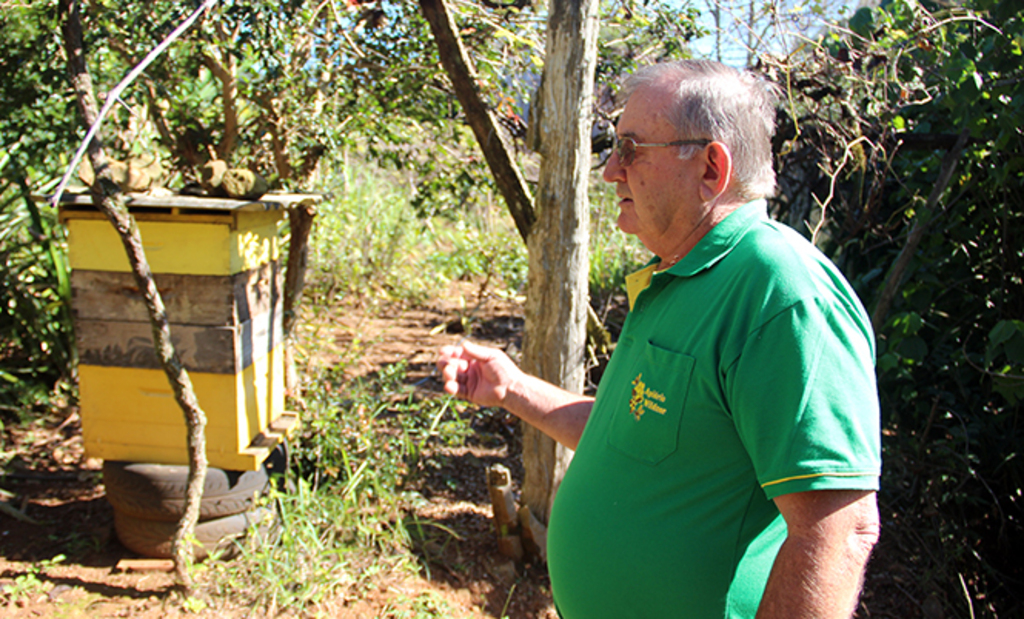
714, 101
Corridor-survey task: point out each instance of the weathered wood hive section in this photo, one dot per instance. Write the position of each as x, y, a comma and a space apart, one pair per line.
217, 265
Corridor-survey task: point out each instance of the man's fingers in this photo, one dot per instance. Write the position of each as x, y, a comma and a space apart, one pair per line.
456, 378
475, 351
453, 369
450, 352
452, 387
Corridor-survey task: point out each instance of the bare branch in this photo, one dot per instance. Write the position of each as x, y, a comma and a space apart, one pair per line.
892, 283
110, 201
834, 176
115, 93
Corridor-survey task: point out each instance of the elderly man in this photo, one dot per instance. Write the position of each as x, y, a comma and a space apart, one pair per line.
728, 464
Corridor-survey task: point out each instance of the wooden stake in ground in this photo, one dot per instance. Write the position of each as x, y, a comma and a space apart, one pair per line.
108, 198
506, 517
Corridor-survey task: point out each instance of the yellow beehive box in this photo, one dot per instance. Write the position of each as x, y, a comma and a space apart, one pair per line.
217, 265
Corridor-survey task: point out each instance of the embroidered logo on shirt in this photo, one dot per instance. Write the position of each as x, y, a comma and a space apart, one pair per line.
644, 399
636, 402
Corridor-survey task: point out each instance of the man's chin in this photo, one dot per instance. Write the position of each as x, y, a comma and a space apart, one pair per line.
626, 223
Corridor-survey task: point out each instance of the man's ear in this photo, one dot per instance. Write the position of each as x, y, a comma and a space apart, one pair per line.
717, 171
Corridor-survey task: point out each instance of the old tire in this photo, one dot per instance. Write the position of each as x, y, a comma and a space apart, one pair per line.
153, 538
157, 491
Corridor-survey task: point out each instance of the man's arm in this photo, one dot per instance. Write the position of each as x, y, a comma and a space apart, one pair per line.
820, 567
486, 376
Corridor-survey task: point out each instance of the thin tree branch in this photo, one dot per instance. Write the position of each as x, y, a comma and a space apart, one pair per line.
921, 223
108, 199
115, 93
832, 186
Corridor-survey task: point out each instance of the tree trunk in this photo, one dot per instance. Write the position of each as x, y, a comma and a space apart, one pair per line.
557, 294
556, 310
108, 198
488, 133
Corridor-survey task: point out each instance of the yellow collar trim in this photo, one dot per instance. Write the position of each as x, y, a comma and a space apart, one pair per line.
638, 282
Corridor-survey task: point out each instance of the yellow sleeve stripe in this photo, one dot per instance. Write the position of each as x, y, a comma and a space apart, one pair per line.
812, 475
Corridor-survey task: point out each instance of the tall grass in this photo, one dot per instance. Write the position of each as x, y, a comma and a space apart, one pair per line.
348, 516
365, 241
613, 255
369, 242
37, 348
343, 521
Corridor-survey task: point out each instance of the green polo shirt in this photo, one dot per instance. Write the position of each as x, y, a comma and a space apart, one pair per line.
744, 372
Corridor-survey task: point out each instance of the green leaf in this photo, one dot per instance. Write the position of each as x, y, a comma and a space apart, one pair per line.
1003, 331
913, 348
887, 362
863, 22
1010, 388
1014, 348
907, 323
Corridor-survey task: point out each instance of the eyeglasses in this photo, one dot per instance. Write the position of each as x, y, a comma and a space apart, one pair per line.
625, 148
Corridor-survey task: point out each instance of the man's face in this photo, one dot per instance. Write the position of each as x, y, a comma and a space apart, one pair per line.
659, 192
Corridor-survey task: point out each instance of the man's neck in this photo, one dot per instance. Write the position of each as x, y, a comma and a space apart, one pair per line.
715, 215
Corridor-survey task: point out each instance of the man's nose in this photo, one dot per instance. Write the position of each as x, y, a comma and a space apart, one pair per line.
613, 170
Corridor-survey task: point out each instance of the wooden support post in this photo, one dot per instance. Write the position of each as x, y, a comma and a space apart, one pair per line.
506, 521
534, 534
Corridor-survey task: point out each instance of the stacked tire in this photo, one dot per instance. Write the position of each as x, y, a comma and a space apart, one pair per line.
149, 499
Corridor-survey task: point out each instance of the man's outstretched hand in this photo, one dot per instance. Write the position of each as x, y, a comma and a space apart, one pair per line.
476, 373
487, 377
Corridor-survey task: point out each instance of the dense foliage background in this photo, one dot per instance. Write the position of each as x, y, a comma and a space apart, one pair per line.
313, 95
871, 117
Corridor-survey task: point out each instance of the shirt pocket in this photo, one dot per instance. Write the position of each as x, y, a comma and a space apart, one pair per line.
646, 425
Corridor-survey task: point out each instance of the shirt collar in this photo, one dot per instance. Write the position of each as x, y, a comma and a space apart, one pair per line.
720, 240
715, 245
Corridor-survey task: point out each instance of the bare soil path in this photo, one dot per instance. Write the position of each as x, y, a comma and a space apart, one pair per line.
56, 506
58, 498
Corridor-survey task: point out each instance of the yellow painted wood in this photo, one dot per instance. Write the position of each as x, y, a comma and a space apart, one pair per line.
185, 247
250, 460
269, 201
255, 240
263, 386
195, 217
131, 414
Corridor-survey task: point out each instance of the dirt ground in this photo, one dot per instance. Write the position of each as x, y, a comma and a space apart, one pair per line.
54, 502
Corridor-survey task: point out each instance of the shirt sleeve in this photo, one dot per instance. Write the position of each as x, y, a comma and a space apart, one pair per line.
803, 397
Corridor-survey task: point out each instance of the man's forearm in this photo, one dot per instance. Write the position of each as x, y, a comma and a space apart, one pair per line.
554, 411
808, 584
820, 567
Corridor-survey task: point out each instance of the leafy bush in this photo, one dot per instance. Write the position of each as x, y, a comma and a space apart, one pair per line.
869, 123
37, 348
37, 125
466, 250
377, 425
